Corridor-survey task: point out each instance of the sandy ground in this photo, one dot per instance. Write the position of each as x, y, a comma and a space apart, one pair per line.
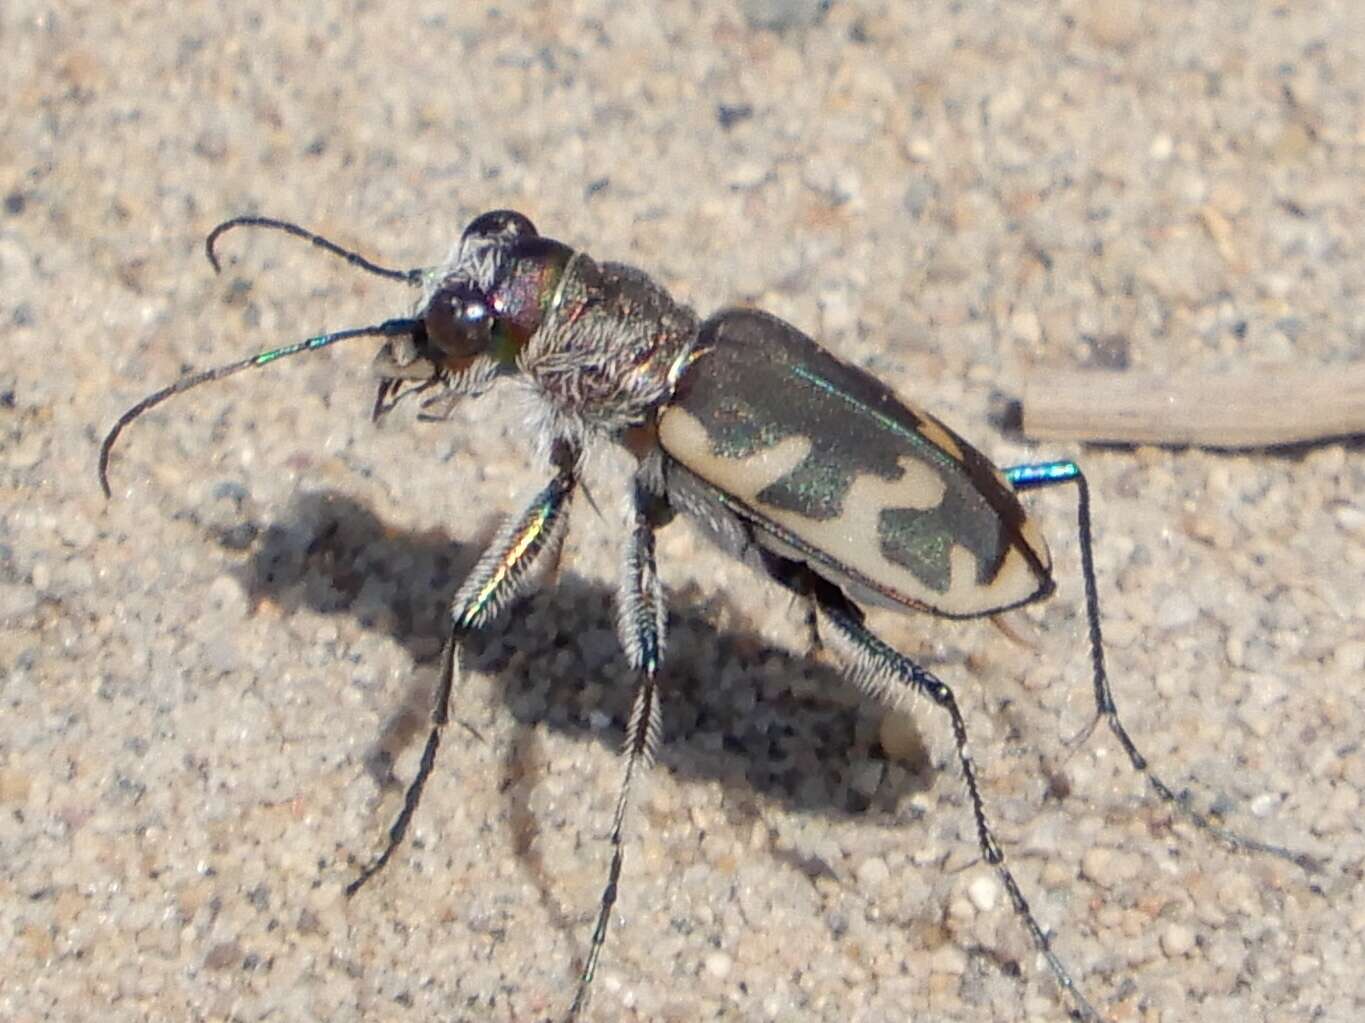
203, 680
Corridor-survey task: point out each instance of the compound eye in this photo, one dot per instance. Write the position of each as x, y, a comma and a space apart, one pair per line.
500, 225
459, 320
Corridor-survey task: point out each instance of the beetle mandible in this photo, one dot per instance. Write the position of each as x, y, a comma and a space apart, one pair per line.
841, 493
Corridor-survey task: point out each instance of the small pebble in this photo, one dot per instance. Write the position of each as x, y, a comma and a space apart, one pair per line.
900, 737
949, 959
718, 965
17, 601
1108, 867
226, 596
1025, 326
873, 872
76, 531
984, 893
1177, 940
1176, 611
1303, 964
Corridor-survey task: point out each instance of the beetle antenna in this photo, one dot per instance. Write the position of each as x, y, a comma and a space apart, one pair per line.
388, 328
413, 276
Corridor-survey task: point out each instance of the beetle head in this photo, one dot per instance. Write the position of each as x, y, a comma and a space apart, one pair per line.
461, 314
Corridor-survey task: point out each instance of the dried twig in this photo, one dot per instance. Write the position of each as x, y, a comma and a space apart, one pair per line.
1259, 408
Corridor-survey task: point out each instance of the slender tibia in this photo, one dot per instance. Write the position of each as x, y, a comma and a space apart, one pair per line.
884, 671
640, 621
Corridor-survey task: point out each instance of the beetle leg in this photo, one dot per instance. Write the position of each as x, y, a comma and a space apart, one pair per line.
811, 622
640, 619
499, 575
884, 673
879, 667
1024, 477
392, 390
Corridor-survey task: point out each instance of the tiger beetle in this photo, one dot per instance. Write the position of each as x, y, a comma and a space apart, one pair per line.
809, 470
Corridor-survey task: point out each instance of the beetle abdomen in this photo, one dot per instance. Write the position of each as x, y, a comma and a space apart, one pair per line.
822, 458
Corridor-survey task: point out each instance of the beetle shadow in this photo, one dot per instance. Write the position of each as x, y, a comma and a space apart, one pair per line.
772, 725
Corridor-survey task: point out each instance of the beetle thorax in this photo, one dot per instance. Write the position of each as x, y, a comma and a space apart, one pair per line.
609, 348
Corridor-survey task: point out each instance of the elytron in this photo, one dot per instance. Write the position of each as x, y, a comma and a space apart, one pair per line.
807, 469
